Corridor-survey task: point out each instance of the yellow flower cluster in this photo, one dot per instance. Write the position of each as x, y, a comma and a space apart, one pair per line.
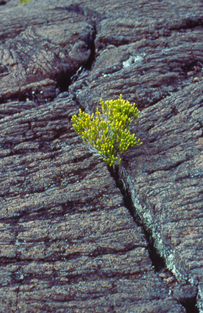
108, 131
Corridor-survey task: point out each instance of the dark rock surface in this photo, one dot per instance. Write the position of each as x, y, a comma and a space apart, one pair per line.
68, 243
165, 180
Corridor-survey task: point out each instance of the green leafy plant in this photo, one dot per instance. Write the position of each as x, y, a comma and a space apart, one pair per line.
107, 131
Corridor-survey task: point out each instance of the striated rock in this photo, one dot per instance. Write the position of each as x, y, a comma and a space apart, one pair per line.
144, 71
49, 42
68, 243
164, 177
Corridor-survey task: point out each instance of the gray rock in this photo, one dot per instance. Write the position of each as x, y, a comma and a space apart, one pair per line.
68, 243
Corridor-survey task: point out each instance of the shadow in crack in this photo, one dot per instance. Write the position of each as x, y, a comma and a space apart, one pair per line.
187, 298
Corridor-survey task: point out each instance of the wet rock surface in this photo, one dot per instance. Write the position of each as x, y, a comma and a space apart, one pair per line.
68, 241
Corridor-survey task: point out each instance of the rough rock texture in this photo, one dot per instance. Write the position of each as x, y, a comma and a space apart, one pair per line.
165, 180
47, 43
68, 242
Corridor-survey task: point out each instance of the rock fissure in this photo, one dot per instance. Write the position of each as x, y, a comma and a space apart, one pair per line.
185, 293
65, 79
157, 261
70, 240
188, 24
